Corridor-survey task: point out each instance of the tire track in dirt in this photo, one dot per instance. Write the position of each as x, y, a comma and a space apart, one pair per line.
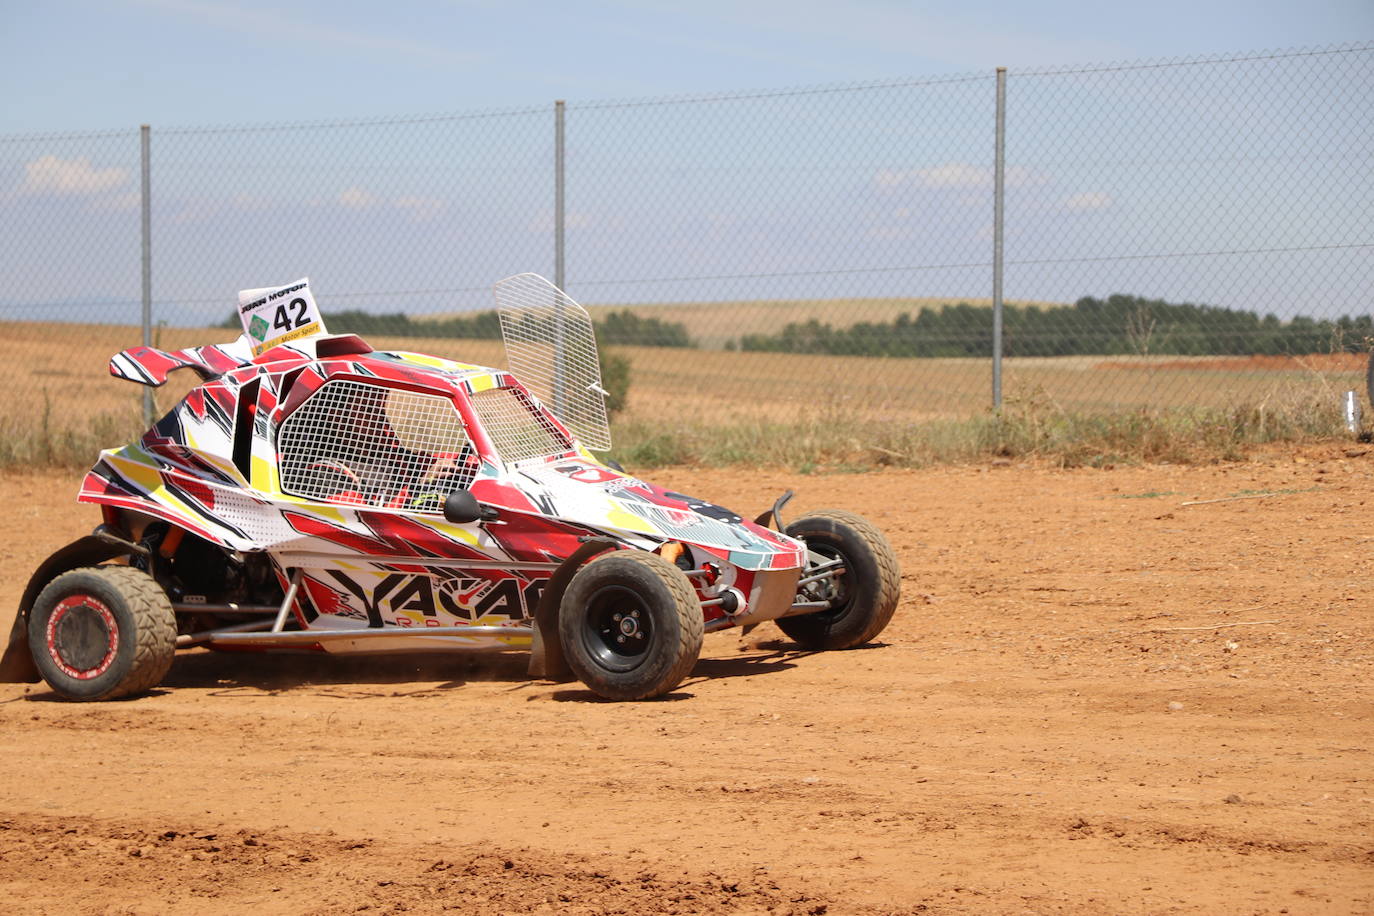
176, 868
1044, 726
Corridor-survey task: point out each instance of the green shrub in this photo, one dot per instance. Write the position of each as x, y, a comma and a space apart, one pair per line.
615, 378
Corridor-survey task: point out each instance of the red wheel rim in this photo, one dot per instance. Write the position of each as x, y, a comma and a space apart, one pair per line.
83, 637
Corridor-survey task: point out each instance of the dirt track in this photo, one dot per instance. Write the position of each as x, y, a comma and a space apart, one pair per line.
1093, 700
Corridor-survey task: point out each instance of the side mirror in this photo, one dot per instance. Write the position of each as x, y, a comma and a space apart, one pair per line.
461, 507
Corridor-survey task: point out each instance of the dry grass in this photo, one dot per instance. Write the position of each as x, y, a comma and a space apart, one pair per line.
717, 386
61, 405
828, 438
713, 324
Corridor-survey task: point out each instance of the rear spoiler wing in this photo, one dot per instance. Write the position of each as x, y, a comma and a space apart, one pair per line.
150, 366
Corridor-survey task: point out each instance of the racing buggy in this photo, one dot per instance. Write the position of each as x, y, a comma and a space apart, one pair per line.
314, 494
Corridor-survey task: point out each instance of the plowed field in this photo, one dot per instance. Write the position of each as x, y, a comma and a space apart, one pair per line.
1094, 699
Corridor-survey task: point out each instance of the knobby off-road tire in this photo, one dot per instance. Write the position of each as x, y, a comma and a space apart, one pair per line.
102, 632
631, 625
863, 599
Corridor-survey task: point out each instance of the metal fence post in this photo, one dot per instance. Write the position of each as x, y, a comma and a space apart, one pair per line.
998, 193
559, 374
558, 194
144, 131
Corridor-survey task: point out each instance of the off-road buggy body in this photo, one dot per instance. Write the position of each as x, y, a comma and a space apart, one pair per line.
324, 496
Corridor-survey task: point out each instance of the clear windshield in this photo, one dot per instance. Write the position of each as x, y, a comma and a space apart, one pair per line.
551, 349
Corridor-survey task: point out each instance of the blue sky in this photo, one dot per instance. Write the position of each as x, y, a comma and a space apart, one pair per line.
83, 64
1243, 182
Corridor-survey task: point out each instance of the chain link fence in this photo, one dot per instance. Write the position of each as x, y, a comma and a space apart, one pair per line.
1239, 185
1174, 233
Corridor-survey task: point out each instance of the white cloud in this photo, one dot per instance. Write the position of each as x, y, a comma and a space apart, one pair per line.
952, 175
116, 203
51, 175
955, 176
891, 233
355, 198
890, 178
416, 207
1088, 200
420, 208
204, 209
197, 211
249, 203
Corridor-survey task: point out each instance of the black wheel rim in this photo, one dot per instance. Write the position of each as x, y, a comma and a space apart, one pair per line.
82, 637
618, 629
835, 589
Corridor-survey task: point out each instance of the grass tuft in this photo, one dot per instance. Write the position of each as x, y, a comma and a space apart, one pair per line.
827, 439
53, 443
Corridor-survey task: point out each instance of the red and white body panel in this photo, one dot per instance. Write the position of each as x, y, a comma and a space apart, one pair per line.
213, 466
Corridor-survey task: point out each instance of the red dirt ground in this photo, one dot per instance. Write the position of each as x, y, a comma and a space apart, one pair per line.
1093, 699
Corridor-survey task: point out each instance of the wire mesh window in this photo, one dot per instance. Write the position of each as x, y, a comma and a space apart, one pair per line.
517, 430
370, 445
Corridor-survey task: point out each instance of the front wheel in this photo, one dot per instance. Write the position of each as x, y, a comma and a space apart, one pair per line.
862, 598
631, 625
102, 632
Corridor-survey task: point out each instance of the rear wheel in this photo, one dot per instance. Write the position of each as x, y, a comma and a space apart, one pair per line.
862, 598
631, 625
102, 632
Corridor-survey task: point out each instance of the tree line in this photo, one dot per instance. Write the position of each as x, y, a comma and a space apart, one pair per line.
1117, 325
623, 327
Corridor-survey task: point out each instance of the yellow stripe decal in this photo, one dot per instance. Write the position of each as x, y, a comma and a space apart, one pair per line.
481, 383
